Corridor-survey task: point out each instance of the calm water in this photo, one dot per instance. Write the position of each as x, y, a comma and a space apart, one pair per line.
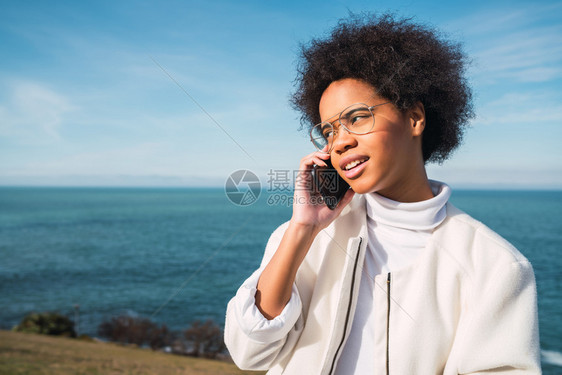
179, 254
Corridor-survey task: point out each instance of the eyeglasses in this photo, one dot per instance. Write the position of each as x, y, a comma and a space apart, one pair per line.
358, 119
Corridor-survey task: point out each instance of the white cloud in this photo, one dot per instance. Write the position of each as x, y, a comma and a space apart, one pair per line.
533, 55
497, 178
126, 160
33, 113
521, 44
535, 108
493, 18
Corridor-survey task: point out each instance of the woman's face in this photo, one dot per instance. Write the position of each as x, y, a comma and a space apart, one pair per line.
389, 156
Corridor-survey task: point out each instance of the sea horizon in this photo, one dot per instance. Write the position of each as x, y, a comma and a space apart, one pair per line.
499, 187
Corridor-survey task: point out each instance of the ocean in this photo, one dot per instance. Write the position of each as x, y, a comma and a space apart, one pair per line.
176, 255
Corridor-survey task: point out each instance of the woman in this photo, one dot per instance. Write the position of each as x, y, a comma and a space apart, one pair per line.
394, 279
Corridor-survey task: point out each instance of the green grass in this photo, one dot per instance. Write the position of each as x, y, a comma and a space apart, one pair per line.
27, 354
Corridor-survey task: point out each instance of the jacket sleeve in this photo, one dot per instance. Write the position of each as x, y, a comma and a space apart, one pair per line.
254, 342
500, 333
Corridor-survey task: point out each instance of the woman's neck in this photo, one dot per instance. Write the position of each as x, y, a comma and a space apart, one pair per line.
414, 187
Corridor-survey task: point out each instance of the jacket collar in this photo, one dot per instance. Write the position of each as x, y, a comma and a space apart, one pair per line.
338, 240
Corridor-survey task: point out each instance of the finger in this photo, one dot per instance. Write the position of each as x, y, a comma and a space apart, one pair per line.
309, 161
320, 162
318, 154
322, 155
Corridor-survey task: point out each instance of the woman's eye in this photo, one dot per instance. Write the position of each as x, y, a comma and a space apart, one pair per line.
357, 117
354, 119
355, 114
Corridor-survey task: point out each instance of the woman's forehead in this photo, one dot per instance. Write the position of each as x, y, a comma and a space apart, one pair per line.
343, 93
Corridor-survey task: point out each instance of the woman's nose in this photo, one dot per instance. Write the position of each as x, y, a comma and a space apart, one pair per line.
344, 140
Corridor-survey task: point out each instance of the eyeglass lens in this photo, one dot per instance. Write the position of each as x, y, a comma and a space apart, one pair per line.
357, 119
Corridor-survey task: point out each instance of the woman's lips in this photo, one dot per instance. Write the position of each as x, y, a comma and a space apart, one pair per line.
355, 171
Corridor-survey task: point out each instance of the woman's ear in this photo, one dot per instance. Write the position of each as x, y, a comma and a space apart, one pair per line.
417, 119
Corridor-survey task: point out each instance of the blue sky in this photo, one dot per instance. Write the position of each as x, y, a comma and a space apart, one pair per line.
84, 101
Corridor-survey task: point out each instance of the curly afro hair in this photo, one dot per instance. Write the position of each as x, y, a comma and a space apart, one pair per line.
405, 62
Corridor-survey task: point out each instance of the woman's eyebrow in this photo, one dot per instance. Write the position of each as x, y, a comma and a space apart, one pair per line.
337, 114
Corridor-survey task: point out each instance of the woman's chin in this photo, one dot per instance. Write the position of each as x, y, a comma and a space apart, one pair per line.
361, 188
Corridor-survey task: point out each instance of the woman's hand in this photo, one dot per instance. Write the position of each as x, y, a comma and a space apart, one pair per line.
308, 207
310, 216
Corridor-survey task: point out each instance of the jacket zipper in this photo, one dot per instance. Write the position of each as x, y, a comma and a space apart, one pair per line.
387, 324
347, 316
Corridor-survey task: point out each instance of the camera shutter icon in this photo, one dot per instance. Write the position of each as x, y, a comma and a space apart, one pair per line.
242, 187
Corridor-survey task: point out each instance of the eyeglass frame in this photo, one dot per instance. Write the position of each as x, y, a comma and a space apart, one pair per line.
370, 108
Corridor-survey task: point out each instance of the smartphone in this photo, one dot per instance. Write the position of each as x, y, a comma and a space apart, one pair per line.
331, 186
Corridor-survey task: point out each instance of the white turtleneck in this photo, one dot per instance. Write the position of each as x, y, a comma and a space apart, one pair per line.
398, 233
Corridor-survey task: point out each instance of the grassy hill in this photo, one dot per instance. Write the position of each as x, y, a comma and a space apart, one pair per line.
27, 354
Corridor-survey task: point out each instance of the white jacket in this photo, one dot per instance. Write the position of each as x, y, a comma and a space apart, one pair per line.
466, 305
